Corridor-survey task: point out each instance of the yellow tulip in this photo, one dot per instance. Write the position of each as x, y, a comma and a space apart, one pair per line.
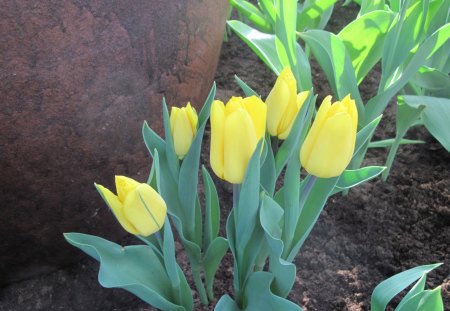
330, 143
183, 124
235, 131
137, 206
283, 104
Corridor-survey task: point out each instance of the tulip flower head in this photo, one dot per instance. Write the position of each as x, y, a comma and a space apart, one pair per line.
137, 206
283, 104
330, 143
236, 129
183, 125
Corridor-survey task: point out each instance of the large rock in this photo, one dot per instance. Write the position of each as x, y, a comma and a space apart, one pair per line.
78, 78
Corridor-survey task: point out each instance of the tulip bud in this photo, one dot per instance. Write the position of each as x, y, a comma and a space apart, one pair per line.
283, 104
137, 206
330, 143
235, 131
183, 124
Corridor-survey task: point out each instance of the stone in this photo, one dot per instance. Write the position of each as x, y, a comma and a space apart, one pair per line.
79, 77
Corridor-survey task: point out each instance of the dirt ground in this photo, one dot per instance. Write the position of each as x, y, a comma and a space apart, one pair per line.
379, 229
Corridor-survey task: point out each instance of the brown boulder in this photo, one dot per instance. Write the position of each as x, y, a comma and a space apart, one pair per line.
78, 78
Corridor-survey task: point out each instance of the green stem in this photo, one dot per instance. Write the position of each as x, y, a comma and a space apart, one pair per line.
199, 283
290, 231
239, 291
391, 155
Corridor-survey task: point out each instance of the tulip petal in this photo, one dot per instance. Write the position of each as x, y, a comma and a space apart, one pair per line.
182, 134
257, 111
124, 185
352, 110
117, 208
314, 130
239, 144
193, 117
277, 102
332, 147
289, 118
173, 116
217, 138
145, 208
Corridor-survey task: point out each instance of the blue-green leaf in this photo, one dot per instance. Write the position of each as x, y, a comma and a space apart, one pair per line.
352, 178
152, 140
248, 91
271, 217
435, 116
212, 209
297, 134
206, 108
377, 104
212, 259
133, 268
252, 13
386, 290
331, 53
364, 38
188, 184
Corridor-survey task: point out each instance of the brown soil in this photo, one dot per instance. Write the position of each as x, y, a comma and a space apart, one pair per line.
379, 229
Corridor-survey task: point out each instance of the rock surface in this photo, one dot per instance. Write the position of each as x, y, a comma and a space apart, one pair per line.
79, 77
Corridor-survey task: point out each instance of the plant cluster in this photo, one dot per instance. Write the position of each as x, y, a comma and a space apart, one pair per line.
283, 158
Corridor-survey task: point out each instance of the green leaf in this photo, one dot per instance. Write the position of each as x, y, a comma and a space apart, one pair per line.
331, 53
252, 13
285, 33
291, 197
212, 259
385, 143
314, 14
261, 43
258, 296
172, 158
212, 209
206, 109
352, 178
425, 301
133, 268
188, 184
152, 140
264, 45
368, 6
364, 38
405, 33
267, 6
432, 82
405, 118
377, 104
297, 134
248, 91
388, 289
226, 303
365, 134
271, 216
268, 170
417, 289
314, 204
435, 116
248, 205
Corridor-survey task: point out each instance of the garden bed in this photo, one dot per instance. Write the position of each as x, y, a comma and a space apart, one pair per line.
379, 229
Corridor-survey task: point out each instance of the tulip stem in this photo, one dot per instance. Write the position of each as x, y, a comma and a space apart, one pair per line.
289, 231
275, 145
238, 280
199, 283
306, 190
